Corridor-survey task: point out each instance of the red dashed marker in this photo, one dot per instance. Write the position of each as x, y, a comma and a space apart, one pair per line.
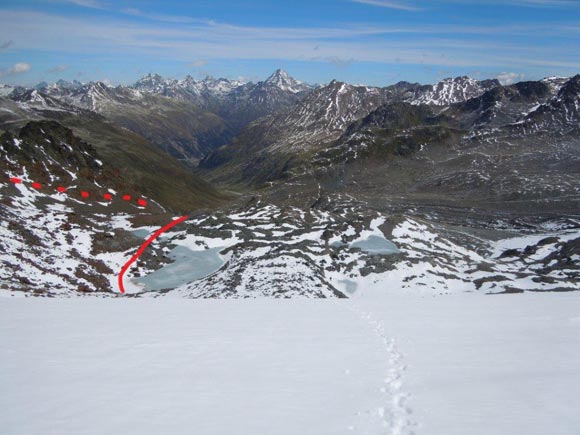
84, 194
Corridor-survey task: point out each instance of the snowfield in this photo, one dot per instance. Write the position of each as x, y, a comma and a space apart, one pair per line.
396, 364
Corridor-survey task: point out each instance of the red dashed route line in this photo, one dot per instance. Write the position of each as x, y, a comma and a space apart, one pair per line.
144, 246
84, 194
109, 197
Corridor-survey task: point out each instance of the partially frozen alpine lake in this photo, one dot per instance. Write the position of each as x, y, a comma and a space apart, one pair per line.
187, 266
386, 364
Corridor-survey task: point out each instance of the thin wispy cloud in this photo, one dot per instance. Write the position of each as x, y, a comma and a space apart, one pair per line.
17, 68
92, 4
545, 3
389, 4
212, 40
336, 61
178, 19
424, 5
525, 3
58, 69
198, 63
434, 44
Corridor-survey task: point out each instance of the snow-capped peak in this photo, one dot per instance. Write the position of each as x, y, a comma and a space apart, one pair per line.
282, 80
36, 97
220, 85
555, 83
152, 83
64, 84
453, 90
279, 76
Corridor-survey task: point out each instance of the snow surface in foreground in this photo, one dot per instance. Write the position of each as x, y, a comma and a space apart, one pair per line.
462, 364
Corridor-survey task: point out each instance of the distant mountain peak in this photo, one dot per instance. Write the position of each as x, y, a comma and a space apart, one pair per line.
281, 79
153, 76
150, 81
453, 90
75, 84
278, 75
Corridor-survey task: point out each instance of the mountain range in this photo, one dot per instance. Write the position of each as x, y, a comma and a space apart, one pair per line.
287, 179
186, 118
248, 135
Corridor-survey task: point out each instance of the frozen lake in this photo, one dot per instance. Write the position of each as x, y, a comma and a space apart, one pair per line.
376, 245
373, 244
187, 266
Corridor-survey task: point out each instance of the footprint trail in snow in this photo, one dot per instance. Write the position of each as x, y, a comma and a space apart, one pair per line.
394, 411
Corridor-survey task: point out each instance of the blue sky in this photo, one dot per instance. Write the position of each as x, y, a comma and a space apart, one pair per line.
375, 42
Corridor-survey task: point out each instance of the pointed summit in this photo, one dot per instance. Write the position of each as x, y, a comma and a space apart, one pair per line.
278, 76
283, 81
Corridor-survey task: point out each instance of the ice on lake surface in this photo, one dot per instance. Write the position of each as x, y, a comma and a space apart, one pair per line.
141, 233
375, 245
187, 266
349, 286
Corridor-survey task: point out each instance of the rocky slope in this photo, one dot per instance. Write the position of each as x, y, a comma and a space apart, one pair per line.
264, 151
450, 90
142, 165
512, 147
562, 111
57, 201
272, 147
259, 249
179, 128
